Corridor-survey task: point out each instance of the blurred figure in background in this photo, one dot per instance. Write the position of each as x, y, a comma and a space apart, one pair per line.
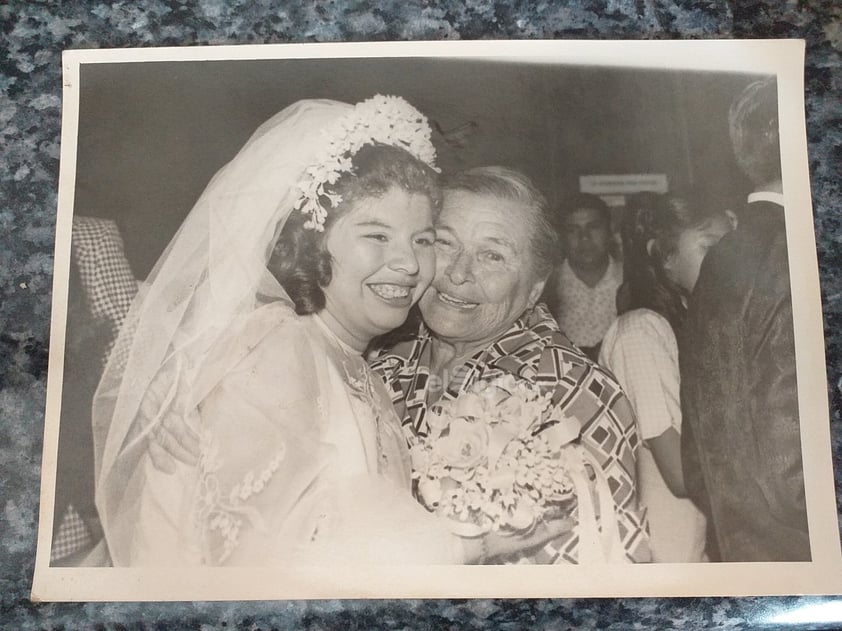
741, 446
664, 242
583, 291
100, 291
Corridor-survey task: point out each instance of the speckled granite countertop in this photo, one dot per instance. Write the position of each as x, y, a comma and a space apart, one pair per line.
33, 36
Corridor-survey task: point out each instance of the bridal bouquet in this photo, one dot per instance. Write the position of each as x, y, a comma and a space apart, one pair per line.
499, 457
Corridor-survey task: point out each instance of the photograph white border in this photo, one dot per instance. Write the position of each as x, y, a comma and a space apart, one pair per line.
783, 58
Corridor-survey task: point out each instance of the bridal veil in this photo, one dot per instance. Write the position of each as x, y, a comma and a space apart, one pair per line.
207, 304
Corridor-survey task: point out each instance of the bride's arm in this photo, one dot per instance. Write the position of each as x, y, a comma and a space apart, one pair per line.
273, 492
261, 453
264, 494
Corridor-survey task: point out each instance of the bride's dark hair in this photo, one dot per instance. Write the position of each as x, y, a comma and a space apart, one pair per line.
300, 260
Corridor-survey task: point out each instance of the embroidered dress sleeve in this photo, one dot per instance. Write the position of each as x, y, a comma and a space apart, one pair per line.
261, 453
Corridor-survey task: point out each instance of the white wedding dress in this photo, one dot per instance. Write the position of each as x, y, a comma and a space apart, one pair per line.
302, 458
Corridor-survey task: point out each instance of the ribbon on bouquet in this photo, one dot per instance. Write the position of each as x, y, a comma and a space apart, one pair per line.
599, 538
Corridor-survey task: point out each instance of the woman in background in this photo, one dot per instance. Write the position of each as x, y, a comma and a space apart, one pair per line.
665, 240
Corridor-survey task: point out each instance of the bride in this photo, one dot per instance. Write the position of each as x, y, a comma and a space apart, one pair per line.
313, 240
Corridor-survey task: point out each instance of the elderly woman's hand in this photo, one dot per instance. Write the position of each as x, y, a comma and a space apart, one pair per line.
491, 545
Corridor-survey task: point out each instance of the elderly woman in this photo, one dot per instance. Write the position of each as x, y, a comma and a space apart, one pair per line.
495, 249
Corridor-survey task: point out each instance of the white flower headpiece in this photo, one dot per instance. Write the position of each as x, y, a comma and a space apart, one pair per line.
388, 120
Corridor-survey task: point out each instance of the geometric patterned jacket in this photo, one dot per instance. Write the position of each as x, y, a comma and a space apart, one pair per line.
535, 350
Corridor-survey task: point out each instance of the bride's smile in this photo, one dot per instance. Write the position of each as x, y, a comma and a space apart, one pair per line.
393, 294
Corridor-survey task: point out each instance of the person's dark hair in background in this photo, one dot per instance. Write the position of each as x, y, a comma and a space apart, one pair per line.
651, 229
652, 218
753, 126
590, 201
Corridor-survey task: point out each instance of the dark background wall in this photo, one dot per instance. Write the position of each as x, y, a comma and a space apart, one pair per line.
152, 134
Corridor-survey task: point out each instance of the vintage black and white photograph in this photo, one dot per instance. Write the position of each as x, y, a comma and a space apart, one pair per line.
429, 320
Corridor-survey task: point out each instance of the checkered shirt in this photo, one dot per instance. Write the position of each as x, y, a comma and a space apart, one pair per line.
535, 350
109, 288
110, 285
72, 536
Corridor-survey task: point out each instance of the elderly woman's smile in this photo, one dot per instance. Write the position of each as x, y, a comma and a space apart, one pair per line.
455, 302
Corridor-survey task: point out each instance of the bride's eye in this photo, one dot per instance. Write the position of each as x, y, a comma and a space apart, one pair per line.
377, 236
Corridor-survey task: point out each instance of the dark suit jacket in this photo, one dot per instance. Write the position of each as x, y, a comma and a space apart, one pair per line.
741, 445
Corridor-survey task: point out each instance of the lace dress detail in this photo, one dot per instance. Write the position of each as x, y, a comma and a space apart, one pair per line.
225, 515
313, 421
366, 404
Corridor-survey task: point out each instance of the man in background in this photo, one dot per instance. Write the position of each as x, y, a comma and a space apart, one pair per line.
101, 290
585, 285
741, 445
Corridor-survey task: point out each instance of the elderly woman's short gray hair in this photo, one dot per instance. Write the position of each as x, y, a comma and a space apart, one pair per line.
511, 185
